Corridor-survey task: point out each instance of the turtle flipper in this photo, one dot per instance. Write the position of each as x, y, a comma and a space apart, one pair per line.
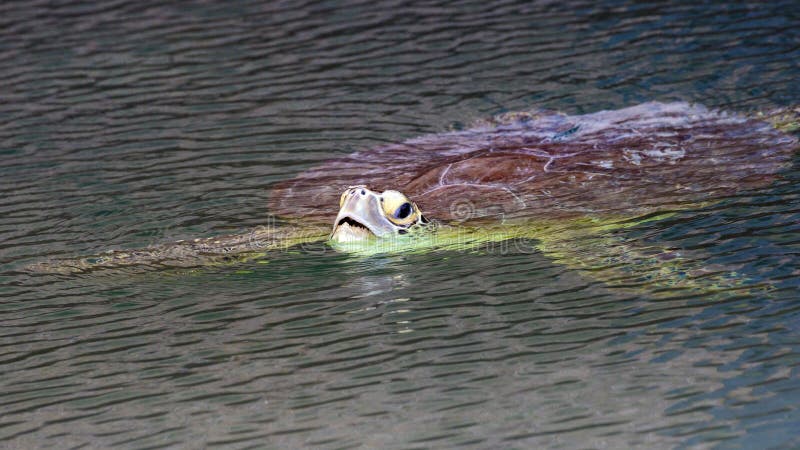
184, 254
627, 263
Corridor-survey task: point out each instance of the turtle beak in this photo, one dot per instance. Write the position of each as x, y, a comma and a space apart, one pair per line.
360, 217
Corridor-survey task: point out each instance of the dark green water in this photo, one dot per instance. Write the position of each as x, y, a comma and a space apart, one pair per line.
124, 124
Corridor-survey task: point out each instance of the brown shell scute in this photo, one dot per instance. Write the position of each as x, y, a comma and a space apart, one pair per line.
546, 164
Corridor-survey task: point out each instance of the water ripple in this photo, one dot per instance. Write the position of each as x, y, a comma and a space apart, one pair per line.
124, 124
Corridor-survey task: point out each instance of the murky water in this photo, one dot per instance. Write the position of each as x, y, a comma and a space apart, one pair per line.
125, 124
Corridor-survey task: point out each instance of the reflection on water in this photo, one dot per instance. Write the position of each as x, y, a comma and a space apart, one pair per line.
126, 124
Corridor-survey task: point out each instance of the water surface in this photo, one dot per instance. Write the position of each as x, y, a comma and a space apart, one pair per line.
124, 124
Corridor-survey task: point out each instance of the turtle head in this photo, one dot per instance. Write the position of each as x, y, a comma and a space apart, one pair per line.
364, 214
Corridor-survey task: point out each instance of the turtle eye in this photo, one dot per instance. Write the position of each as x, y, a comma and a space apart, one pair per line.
403, 211
397, 208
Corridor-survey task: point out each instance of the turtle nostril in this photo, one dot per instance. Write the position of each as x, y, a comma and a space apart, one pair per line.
363, 192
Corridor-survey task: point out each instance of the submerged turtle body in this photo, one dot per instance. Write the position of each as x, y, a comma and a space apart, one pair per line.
530, 174
544, 165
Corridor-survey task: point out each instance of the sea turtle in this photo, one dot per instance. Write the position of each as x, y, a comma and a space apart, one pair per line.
562, 182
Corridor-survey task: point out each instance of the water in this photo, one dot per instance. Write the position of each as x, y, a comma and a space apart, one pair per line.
125, 124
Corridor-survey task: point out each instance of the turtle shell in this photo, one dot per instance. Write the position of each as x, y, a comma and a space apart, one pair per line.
550, 165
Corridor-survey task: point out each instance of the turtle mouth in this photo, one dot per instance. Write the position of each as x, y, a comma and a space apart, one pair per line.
349, 229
